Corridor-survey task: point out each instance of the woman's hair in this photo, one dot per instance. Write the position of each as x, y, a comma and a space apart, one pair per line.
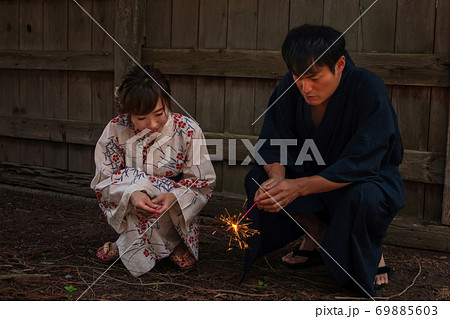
140, 91
305, 44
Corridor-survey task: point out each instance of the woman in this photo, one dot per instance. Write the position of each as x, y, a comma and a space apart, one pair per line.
153, 176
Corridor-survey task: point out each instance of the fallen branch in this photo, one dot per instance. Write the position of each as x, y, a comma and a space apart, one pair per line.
12, 276
393, 296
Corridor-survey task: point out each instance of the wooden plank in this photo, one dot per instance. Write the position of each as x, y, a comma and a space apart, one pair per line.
234, 178
184, 23
79, 96
210, 104
9, 25
103, 12
55, 82
414, 34
242, 24
305, 12
442, 46
80, 26
273, 17
56, 130
437, 138
426, 167
31, 24
80, 108
183, 89
129, 26
446, 194
184, 34
263, 90
55, 25
415, 26
102, 97
442, 29
340, 15
417, 233
9, 150
46, 178
412, 107
213, 24
31, 97
57, 60
239, 93
398, 69
9, 79
55, 106
239, 106
9, 92
159, 23
377, 27
80, 157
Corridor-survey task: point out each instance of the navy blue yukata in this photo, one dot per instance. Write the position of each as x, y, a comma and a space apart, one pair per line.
359, 142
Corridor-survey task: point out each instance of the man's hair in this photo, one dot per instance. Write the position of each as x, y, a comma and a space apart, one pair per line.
138, 94
304, 44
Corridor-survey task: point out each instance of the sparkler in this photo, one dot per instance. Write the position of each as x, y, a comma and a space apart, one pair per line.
239, 231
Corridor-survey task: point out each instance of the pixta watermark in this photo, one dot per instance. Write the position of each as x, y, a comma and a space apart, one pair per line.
224, 149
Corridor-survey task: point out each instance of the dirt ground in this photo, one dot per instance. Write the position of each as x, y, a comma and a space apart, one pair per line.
48, 242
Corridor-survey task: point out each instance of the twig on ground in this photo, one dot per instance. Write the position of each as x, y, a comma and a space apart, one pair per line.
393, 296
412, 284
79, 275
265, 258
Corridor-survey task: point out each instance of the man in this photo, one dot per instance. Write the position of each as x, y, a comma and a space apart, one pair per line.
346, 197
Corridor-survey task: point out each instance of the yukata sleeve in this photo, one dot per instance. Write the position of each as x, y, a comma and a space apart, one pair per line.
376, 140
198, 180
113, 183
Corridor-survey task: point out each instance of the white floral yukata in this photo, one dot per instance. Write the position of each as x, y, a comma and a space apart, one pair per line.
172, 169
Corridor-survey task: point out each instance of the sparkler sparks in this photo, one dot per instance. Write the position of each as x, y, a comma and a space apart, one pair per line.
239, 231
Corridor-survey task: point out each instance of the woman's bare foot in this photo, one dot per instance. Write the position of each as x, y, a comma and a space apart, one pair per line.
108, 252
381, 279
182, 257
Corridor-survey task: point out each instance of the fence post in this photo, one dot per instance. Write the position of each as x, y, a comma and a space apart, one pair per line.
446, 196
129, 32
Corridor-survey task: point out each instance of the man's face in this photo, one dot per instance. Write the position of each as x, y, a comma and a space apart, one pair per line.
318, 86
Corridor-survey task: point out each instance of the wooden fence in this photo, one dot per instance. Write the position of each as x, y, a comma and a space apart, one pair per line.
58, 70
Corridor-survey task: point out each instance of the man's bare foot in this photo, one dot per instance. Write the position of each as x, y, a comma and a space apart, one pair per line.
307, 244
182, 257
381, 279
108, 252
316, 228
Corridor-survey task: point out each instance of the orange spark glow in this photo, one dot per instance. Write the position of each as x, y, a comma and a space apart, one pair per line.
239, 231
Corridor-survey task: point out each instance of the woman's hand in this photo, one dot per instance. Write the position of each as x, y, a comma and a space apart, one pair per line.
143, 204
164, 201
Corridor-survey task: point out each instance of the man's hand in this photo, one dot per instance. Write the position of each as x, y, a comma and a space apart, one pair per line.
276, 192
164, 201
143, 204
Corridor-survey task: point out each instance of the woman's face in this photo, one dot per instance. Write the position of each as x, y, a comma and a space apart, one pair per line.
153, 121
